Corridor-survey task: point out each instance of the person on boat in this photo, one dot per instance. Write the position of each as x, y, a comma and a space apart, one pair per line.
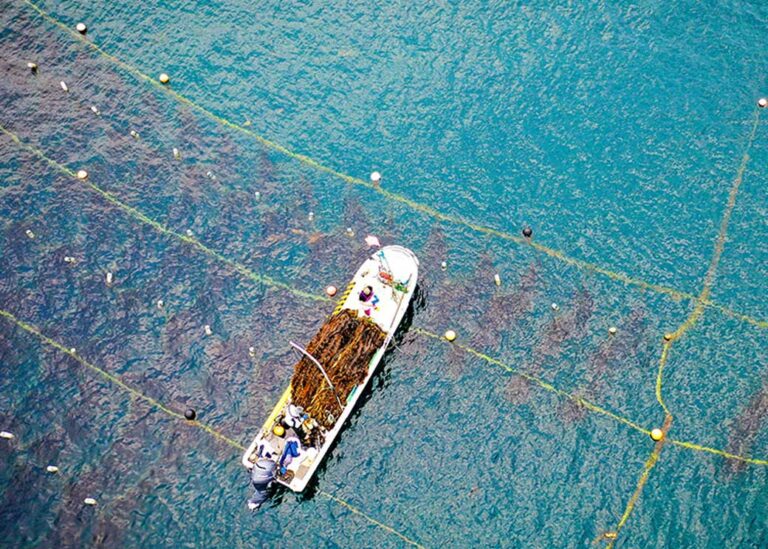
366, 294
262, 475
266, 449
306, 431
294, 416
292, 450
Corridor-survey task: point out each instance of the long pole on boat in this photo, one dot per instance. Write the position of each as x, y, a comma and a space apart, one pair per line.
316, 363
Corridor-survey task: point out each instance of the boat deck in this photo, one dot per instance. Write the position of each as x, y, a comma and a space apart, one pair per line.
391, 274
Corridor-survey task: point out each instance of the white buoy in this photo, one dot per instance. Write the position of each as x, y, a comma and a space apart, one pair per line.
109, 278
331, 290
64, 86
52, 469
612, 330
72, 350
81, 28
189, 232
160, 303
375, 178
164, 78
6, 435
69, 259
82, 174
762, 102
311, 216
449, 335
443, 265
134, 134
89, 501
252, 351
257, 195
350, 232
497, 279
95, 110
176, 154
208, 330
29, 233
555, 306
32, 66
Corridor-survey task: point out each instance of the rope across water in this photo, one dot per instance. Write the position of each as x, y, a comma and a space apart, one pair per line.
690, 321
392, 196
700, 302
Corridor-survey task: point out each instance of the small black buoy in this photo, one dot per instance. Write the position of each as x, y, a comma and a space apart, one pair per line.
527, 232
190, 414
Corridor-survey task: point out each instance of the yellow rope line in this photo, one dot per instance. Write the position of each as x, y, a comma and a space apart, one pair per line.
709, 279
540, 382
690, 321
374, 521
306, 160
139, 216
116, 380
159, 406
660, 376
649, 465
241, 269
699, 448
738, 316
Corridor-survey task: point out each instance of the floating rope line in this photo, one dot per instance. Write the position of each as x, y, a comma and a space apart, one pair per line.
699, 448
141, 217
660, 376
241, 269
582, 402
374, 521
690, 321
112, 378
709, 278
649, 465
308, 161
116, 380
590, 405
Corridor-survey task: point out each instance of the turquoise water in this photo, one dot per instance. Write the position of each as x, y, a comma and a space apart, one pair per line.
614, 131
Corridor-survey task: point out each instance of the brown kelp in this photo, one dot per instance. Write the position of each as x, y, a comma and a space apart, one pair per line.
610, 359
572, 325
344, 346
505, 310
746, 427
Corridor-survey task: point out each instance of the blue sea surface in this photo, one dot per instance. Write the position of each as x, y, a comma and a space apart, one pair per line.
615, 131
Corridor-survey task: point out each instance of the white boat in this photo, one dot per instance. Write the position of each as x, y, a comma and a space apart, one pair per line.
380, 291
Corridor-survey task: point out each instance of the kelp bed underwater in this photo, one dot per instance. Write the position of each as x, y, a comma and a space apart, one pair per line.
194, 242
344, 346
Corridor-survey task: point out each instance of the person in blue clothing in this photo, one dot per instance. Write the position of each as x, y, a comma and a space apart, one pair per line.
292, 450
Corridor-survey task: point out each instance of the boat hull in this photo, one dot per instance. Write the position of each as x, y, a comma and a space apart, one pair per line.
392, 273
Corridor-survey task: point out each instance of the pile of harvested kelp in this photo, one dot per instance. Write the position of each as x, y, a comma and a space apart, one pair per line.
344, 346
